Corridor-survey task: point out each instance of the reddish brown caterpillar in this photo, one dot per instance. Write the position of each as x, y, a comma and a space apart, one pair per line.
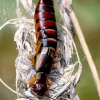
46, 35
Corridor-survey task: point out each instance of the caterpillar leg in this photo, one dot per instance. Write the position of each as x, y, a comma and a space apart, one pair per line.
32, 80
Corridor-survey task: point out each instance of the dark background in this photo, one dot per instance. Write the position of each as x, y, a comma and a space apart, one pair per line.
88, 14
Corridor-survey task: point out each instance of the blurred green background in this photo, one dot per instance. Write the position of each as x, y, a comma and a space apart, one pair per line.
88, 14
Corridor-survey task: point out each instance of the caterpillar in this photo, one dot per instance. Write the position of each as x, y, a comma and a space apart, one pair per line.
46, 35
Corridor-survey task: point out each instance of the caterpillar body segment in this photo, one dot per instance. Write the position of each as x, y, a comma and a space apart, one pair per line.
46, 34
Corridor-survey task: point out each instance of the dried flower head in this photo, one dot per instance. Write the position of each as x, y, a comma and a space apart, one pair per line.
64, 77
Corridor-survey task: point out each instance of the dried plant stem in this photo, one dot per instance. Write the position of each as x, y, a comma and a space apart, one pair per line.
86, 51
7, 86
